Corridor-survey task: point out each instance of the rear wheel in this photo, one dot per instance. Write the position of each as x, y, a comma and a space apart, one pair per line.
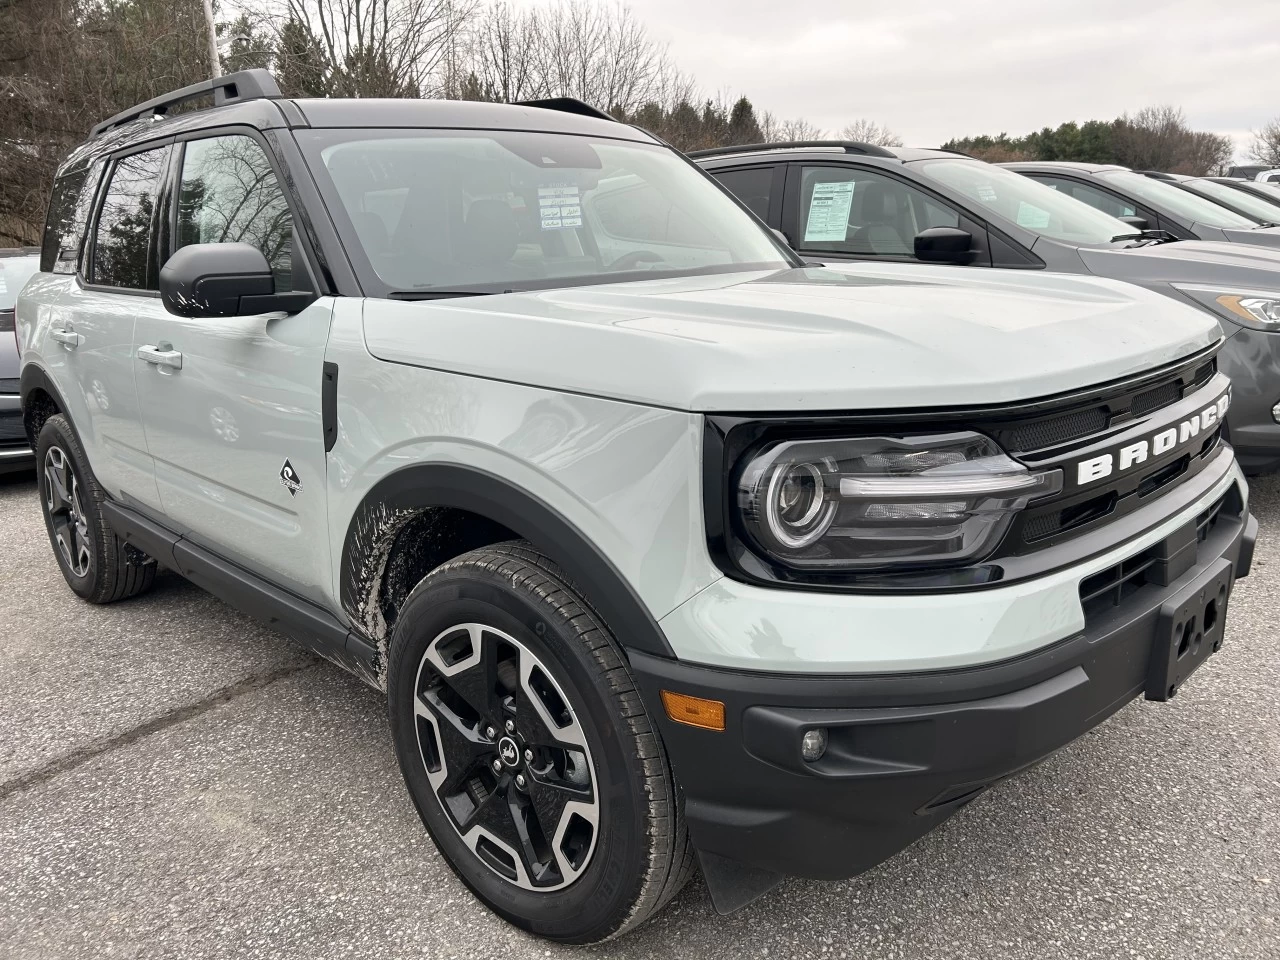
97, 565
528, 752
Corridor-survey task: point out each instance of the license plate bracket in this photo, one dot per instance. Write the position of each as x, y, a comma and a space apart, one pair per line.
1190, 630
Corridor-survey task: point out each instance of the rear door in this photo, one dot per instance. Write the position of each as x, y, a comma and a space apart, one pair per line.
232, 405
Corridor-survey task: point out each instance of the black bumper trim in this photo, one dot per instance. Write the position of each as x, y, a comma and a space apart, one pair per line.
905, 751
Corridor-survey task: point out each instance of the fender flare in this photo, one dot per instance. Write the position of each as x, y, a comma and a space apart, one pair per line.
35, 378
427, 485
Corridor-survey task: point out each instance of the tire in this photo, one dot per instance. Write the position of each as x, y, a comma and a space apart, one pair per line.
97, 565
498, 635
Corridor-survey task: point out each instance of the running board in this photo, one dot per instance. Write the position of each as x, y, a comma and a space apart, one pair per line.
302, 621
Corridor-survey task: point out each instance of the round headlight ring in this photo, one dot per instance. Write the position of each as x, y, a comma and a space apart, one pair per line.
806, 496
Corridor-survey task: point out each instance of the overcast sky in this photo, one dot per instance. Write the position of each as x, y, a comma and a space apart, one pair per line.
934, 70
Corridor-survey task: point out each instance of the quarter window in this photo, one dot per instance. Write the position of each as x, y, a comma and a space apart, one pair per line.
229, 194
68, 218
860, 212
123, 236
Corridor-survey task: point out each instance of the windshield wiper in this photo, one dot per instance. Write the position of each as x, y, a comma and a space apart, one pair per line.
1149, 236
440, 294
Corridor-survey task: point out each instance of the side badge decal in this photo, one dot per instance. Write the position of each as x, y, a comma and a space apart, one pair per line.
289, 477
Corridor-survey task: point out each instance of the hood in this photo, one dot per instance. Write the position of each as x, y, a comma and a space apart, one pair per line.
1260, 236
1189, 261
852, 337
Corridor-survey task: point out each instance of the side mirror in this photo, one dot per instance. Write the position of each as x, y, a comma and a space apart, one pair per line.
223, 280
944, 245
1138, 223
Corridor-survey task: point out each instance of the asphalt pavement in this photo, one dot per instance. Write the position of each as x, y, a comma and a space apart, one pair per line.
177, 781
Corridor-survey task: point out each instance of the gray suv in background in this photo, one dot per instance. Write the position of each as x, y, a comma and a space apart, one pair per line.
16, 268
909, 206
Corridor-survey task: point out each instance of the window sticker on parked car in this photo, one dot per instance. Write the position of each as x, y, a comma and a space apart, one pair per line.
559, 207
987, 193
1031, 216
829, 212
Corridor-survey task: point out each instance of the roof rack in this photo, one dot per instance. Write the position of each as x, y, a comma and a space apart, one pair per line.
848, 146
233, 88
1157, 174
568, 105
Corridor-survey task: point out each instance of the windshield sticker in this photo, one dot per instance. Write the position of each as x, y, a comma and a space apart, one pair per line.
987, 193
829, 212
1031, 217
559, 208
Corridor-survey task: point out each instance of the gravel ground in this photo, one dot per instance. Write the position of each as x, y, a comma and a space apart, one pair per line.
176, 781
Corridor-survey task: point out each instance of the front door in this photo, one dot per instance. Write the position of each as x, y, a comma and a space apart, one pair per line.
232, 405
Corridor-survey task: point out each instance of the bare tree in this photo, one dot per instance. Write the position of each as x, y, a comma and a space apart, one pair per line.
799, 129
1265, 147
381, 48
868, 131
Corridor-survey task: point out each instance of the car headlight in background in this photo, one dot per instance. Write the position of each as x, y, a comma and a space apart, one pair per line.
1258, 310
875, 502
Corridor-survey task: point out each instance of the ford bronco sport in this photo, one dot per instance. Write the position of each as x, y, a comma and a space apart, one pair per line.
666, 548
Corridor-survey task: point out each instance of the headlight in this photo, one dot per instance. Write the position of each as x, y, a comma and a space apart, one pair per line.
848, 504
1258, 310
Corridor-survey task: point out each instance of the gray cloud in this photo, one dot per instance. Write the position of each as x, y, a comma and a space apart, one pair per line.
934, 70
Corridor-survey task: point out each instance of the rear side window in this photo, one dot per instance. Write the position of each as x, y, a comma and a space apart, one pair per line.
68, 217
1098, 199
122, 241
229, 194
753, 186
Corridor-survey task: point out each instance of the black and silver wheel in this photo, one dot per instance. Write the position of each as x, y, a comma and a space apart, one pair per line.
528, 752
96, 563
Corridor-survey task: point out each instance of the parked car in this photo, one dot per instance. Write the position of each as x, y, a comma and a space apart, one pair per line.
17, 265
1259, 208
661, 543
911, 206
1122, 192
1267, 190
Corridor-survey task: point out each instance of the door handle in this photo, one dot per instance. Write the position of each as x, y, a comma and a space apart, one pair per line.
161, 355
66, 337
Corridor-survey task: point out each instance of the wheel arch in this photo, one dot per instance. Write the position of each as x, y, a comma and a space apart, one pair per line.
414, 491
40, 400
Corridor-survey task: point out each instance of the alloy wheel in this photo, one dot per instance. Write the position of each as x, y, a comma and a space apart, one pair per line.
66, 515
506, 757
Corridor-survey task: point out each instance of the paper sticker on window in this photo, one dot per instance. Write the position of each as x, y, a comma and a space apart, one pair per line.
987, 193
559, 207
1031, 217
829, 212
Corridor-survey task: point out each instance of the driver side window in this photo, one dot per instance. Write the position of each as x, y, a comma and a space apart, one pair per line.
859, 212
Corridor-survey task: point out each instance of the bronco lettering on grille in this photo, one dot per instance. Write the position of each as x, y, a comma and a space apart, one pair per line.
1138, 452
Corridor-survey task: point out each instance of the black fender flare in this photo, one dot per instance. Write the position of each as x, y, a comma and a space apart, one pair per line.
35, 378
427, 485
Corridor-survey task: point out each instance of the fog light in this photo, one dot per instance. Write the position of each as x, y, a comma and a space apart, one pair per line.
1275, 413
813, 744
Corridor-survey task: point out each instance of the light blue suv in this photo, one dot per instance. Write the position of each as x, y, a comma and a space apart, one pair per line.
666, 548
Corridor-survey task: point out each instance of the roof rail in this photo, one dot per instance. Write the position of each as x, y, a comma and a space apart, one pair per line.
848, 146
233, 88
568, 105
1157, 175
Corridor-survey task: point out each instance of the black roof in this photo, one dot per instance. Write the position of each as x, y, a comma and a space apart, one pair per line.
251, 98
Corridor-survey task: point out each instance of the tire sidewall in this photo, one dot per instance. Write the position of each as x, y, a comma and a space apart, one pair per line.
599, 901
57, 432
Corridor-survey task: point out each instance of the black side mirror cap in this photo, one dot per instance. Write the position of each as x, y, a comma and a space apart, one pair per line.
944, 245
223, 280
1138, 223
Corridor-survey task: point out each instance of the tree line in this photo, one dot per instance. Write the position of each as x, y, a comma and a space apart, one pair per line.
1155, 138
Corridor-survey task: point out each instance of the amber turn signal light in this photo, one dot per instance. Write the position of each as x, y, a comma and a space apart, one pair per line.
696, 712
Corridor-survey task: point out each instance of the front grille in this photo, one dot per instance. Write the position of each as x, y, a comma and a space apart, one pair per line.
1161, 396
1059, 430
1109, 588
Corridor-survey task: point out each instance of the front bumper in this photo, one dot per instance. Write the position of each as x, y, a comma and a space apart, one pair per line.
906, 750
15, 451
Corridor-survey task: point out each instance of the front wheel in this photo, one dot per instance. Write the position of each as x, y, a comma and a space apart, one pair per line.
528, 752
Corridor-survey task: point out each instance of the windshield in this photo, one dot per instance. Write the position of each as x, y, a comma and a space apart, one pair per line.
1181, 202
1264, 211
495, 211
1025, 202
